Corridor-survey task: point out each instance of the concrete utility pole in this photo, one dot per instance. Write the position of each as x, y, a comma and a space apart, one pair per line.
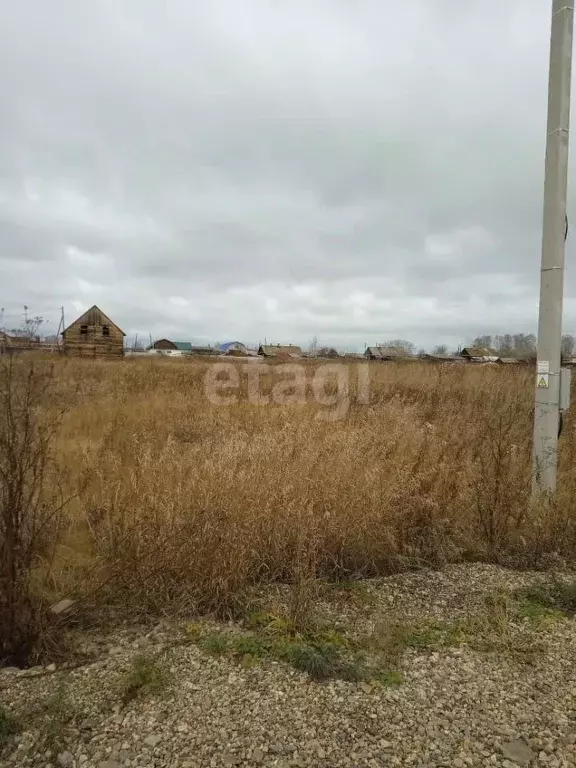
547, 400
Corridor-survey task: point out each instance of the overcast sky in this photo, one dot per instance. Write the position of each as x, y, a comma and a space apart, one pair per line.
355, 170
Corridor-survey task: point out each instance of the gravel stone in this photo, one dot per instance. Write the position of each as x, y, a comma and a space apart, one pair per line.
518, 751
457, 707
152, 741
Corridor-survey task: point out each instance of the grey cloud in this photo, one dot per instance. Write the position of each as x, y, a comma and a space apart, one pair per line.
222, 153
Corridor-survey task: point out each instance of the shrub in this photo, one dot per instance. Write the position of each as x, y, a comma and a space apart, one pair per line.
31, 506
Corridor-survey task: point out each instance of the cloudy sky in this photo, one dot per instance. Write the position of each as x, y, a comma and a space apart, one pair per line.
355, 170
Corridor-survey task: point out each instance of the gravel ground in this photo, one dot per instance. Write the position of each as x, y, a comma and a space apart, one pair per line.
457, 707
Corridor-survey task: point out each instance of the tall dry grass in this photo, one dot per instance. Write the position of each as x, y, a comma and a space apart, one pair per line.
31, 502
183, 505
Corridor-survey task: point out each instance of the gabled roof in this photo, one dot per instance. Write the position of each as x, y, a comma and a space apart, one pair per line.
273, 350
384, 353
158, 341
327, 352
393, 352
89, 315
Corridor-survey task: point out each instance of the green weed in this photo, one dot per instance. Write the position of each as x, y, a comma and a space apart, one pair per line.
332, 636
323, 653
214, 643
9, 727
434, 635
557, 598
497, 628
318, 663
58, 711
249, 645
146, 676
389, 677
272, 624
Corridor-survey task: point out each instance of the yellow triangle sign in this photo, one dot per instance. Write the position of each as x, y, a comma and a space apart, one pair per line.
542, 382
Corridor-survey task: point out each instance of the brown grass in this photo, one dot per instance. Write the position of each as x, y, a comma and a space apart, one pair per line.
184, 505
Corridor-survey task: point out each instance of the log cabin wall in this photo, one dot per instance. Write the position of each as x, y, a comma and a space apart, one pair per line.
94, 335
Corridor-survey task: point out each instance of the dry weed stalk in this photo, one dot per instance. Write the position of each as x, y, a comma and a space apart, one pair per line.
187, 505
31, 506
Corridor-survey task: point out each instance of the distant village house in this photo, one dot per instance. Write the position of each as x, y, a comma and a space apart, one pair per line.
233, 348
285, 351
162, 345
6, 342
385, 353
479, 354
443, 359
178, 348
202, 350
328, 352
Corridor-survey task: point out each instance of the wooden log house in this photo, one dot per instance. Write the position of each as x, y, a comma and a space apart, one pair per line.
93, 334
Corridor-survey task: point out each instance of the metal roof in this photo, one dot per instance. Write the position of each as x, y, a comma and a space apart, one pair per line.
227, 344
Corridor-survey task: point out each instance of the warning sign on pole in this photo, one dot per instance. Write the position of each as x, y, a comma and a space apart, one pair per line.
543, 366
543, 380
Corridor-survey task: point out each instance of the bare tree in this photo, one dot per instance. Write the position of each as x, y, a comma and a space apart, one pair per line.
568, 344
401, 344
440, 349
31, 325
503, 344
524, 345
509, 345
484, 342
313, 347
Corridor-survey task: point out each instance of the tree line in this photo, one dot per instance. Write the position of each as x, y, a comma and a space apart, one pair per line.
520, 345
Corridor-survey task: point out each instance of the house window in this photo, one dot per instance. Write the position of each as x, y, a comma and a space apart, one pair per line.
105, 330
84, 330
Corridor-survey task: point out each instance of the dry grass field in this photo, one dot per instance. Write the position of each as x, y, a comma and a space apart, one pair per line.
132, 487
